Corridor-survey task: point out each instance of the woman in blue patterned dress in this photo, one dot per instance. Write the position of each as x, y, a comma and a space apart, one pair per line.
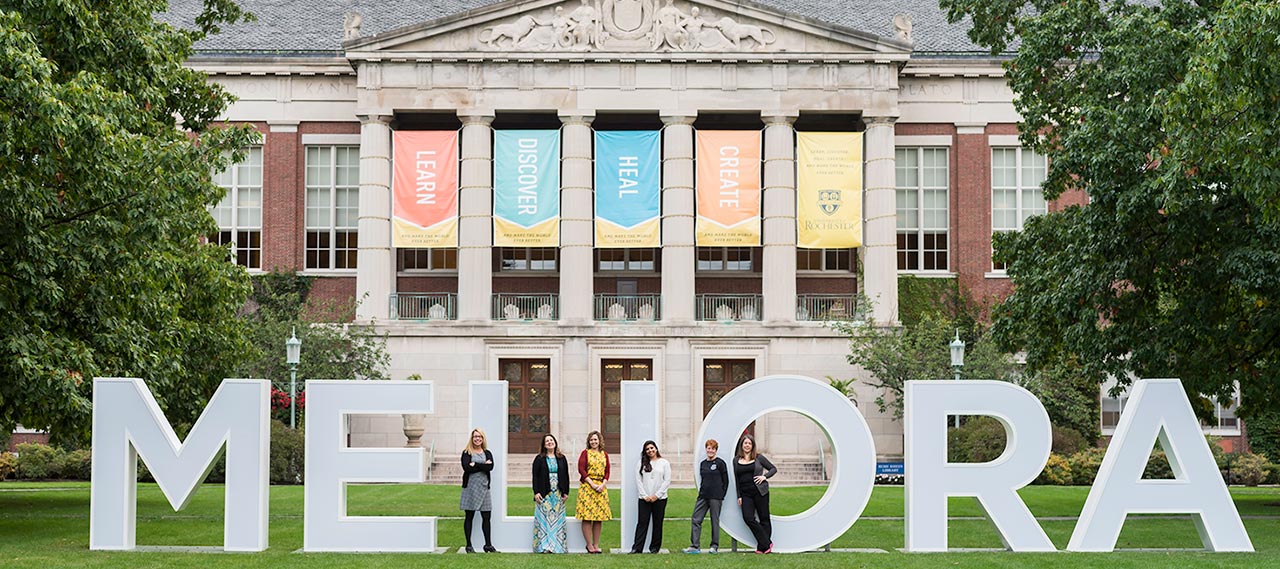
550, 491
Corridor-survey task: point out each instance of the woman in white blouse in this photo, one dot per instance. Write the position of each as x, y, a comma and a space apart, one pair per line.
655, 478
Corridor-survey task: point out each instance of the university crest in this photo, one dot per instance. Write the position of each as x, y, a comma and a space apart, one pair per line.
829, 201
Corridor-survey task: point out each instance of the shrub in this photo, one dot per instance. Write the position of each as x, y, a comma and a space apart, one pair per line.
37, 461
1056, 472
1250, 469
76, 465
1084, 465
1158, 467
8, 464
1067, 441
287, 446
979, 439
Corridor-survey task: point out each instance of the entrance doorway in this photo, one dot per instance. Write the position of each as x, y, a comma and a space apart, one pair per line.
528, 402
613, 372
719, 377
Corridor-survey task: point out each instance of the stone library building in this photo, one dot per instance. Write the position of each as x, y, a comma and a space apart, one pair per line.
567, 194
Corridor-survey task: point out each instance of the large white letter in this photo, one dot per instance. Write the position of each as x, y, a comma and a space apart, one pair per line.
510, 533
931, 479
128, 423
639, 424
330, 466
855, 468
1159, 408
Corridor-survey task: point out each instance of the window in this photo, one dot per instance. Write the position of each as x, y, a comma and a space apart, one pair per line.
1224, 422
824, 259
1016, 176
426, 259
725, 258
626, 259
529, 258
922, 208
239, 214
333, 206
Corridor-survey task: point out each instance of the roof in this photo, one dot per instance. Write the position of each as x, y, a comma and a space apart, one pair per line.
315, 26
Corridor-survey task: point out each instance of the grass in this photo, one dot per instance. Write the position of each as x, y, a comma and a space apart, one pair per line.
46, 525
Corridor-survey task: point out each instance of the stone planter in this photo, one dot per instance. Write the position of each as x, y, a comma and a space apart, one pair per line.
413, 429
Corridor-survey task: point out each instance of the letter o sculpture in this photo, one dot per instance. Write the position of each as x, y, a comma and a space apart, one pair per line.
848, 491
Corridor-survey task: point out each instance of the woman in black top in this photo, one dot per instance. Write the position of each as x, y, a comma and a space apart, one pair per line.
752, 472
477, 463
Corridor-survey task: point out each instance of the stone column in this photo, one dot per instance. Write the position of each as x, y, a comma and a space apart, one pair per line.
375, 278
577, 212
475, 217
678, 250
779, 228
880, 260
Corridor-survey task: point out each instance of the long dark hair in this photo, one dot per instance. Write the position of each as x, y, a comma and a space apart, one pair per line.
645, 465
542, 448
738, 451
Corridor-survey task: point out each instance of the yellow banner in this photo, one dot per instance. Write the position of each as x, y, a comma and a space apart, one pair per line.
728, 191
829, 190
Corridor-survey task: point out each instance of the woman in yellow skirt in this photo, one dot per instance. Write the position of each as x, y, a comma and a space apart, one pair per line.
593, 495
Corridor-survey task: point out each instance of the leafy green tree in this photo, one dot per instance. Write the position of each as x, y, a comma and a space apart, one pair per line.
919, 351
281, 305
106, 145
1164, 114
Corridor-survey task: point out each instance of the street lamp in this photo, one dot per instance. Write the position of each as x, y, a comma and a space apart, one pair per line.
292, 351
957, 361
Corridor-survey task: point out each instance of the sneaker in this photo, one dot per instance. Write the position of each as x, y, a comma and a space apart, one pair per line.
715, 550
692, 550
770, 550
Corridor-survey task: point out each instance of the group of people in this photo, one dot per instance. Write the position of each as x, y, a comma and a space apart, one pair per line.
751, 473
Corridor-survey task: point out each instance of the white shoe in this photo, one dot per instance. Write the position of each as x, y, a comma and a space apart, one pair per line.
715, 550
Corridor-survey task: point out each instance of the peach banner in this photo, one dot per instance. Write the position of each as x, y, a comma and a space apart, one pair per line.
728, 188
425, 189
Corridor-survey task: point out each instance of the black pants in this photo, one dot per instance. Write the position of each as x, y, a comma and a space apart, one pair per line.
469, 520
656, 510
755, 512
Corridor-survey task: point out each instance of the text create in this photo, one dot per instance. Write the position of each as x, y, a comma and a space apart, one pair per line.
730, 172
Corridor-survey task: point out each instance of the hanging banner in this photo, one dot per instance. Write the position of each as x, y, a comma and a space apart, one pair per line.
628, 189
424, 189
829, 190
526, 188
728, 188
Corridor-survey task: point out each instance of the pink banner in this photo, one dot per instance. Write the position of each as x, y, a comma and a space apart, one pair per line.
425, 189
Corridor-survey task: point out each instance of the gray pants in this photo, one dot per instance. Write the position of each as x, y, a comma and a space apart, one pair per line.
699, 512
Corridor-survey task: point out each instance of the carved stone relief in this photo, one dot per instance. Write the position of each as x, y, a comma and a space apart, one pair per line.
626, 25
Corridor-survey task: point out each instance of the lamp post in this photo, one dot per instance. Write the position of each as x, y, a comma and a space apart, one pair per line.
957, 362
292, 351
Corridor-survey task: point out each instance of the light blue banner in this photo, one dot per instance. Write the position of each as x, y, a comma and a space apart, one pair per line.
628, 188
526, 188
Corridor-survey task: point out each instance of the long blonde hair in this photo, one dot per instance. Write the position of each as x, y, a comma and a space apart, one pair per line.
471, 444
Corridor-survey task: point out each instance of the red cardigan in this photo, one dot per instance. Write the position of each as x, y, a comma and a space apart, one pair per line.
582, 466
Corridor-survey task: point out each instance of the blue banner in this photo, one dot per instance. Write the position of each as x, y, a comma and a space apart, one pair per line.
628, 189
526, 188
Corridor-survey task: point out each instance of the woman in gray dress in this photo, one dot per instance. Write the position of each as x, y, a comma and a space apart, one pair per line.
477, 463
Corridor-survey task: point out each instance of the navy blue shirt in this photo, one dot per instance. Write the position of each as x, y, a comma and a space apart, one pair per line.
715, 479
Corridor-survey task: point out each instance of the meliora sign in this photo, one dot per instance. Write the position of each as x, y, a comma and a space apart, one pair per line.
128, 424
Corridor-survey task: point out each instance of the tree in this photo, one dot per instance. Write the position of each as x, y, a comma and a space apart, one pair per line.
1164, 114
107, 148
933, 311
281, 305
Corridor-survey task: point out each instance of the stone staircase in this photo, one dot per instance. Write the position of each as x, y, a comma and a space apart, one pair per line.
792, 471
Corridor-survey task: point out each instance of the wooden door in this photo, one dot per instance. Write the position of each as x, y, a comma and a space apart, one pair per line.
528, 402
612, 373
719, 377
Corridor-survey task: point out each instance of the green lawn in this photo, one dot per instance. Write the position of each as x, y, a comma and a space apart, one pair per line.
46, 525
